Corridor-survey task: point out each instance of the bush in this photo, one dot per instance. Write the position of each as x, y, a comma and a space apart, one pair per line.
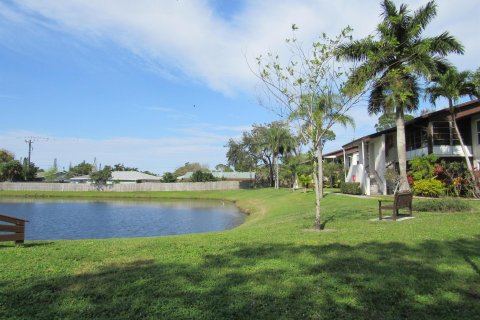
350, 188
442, 205
428, 188
199, 176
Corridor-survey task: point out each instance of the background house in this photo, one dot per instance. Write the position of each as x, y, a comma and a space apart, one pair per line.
228, 176
122, 177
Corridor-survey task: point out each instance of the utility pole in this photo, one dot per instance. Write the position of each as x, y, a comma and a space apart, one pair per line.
30, 141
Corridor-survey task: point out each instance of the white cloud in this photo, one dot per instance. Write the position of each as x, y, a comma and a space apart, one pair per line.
156, 154
190, 38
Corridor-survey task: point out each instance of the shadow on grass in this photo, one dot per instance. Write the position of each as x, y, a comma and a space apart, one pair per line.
11, 244
268, 281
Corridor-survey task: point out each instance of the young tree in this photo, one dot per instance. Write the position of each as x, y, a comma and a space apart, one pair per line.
51, 174
309, 88
393, 62
452, 85
100, 177
387, 121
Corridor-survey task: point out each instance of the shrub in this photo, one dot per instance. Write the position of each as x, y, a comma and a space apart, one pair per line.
423, 167
428, 188
350, 188
442, 205
199, 176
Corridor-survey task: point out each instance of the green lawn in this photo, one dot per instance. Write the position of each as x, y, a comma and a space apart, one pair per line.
268, 268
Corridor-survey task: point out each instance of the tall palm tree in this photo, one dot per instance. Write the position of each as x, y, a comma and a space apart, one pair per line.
395, 61
279, 139
452, 85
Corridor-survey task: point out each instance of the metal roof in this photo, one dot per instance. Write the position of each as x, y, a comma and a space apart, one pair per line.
132, 176
225, 175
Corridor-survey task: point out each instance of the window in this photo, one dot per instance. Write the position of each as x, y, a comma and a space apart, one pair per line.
478, 131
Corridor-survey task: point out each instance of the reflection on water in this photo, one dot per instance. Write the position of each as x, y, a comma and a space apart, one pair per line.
51, 220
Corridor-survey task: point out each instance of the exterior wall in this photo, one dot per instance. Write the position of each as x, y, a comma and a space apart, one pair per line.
184, 186
417, 153
377, 163
475, 142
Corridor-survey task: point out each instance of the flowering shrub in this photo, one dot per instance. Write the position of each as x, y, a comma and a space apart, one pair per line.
428, 188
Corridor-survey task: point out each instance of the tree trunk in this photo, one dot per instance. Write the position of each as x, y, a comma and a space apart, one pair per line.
270, 168
275, 164
464, 148
318, 180
295, 181
401, 149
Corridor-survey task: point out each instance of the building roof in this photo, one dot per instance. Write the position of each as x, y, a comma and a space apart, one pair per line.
81, 178
462, 110
133, 176
225, 175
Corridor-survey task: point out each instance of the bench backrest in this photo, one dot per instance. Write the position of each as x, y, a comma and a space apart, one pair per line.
403, 200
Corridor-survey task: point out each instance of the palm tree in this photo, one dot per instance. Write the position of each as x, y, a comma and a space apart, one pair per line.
452, 85
279, 140
394, 63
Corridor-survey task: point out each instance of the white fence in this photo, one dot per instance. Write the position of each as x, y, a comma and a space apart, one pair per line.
147, 186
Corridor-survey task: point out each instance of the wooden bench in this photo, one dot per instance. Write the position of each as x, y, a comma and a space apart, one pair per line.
17, 229
401, 200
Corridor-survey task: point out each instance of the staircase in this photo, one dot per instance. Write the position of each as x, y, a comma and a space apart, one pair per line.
374, 190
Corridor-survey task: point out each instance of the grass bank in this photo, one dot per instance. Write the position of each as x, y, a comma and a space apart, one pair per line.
427, 267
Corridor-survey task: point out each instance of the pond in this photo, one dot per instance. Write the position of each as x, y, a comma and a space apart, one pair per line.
55, 220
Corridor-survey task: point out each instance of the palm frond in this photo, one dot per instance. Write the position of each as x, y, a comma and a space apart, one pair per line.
422, 17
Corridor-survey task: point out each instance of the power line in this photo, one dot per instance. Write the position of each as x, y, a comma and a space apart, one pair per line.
30, 141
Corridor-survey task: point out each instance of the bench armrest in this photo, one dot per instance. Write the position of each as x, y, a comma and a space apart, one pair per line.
386, 200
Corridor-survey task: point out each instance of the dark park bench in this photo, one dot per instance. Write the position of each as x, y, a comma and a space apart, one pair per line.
402, 200
16, 229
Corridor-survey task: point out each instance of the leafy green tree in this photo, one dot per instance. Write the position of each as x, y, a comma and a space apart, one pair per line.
200, 176
122, 167
51, 174
395, 61
11, 171
6, 156
309, 89
169, 177
387, 120
80, 169
29, 171
279, 140
305, 181
332, 171
238, 157
223, 168
100, 177
476, 82
452, 85
189, 167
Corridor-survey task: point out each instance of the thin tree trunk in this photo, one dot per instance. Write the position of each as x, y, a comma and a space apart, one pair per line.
401, 149
270, 168
320, 170
464, 148
318, 179
317, 198
275, 161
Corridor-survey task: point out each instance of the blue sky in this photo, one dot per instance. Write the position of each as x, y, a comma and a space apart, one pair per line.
154, 84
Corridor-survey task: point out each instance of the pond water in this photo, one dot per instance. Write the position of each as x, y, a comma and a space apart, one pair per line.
55, 220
